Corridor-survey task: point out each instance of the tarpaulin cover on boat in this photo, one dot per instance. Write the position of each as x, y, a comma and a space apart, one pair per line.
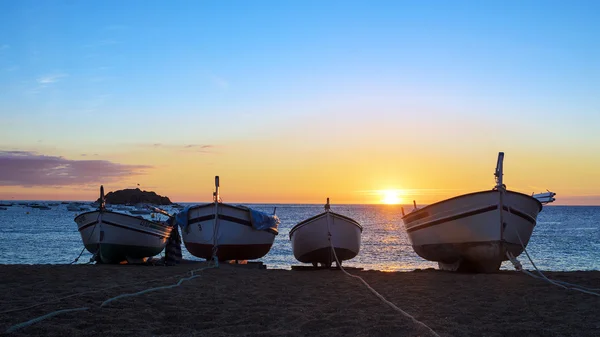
263, 221
181, 218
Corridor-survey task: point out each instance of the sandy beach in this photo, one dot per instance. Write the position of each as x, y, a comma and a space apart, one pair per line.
242, 301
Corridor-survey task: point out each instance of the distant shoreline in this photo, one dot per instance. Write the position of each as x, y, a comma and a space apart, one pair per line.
408, 207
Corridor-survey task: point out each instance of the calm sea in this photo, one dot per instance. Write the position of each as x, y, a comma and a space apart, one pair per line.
565, 238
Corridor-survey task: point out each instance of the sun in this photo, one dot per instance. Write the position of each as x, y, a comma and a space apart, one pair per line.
390, 197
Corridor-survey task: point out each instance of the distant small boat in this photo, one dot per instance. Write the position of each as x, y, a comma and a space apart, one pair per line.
474, 232
225, 231
311, 238
39, 206
116, 237
140, 211
77, 207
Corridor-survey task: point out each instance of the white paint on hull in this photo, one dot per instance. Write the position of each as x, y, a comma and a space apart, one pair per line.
228, 232
472, 226
120, 229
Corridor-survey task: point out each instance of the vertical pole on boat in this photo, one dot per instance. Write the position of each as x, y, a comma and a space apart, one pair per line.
415, 204
216, 198
499, 170
101, 207
331, 252
501, 188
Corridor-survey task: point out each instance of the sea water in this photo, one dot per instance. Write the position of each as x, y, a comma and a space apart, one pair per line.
565, 237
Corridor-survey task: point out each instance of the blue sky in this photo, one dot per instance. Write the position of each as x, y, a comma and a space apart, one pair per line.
79, 76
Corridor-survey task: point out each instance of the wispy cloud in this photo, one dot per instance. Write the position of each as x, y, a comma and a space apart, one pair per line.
28, 169
4, 47
11, 68
49, 79
202, 148
220, 82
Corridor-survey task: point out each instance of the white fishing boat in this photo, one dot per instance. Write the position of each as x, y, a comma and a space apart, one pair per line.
227, 232
115, 237
313, 238
474, 232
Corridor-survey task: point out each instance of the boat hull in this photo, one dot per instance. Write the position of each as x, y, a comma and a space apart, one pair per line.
117, 237
231, 232
473, 232
310, 239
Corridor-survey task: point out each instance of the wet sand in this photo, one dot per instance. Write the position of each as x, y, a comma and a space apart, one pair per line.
241, 301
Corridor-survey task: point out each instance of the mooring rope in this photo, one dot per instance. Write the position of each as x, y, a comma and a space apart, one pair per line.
87, 292
392, 305
565, 285
58, 312
41, 318
98, 219
159, 288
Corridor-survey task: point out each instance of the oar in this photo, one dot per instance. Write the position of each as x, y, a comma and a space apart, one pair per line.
158, 210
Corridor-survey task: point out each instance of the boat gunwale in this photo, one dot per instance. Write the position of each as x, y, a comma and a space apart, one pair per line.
127, 215
240, 207
412, 213
274, 231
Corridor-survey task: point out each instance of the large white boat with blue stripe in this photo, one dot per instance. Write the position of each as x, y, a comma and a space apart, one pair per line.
474, 232
227, 232
115, 237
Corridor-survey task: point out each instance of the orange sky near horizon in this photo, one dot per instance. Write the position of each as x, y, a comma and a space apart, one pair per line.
345, 176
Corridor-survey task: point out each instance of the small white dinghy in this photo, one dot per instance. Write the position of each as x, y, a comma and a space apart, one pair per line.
115, 237
313, 238
227, 232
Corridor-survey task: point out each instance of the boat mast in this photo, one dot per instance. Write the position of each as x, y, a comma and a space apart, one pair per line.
216, 196
499, 171
101, 206
327, 206
216, 199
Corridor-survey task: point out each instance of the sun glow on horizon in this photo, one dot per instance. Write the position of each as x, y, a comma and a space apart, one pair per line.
391, 197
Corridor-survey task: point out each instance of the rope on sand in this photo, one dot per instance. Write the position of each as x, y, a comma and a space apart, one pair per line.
562, 284
41, 318
392, 305
62, 311
85, 292
159, 288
